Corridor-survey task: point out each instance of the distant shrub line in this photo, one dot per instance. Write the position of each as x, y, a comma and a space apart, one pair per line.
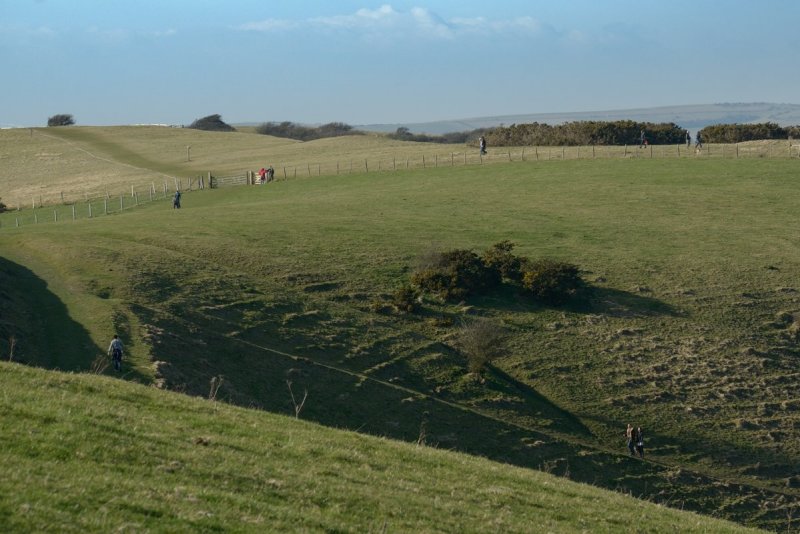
404, 134
581, 133
292, 130
738, 133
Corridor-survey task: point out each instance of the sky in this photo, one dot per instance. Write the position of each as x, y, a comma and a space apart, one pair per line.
110, 62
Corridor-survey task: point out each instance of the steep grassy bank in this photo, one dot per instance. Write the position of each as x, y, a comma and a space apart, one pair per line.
87, 453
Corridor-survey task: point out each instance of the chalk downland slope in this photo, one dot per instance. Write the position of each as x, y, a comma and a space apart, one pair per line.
84, 453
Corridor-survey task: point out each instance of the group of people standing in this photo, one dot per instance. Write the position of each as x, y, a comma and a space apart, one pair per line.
635, 440
266, 175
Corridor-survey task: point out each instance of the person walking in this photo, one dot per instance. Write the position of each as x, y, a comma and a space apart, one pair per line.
482, 144
640, 441
688, 139
115, 351
698, 141
630, 439
176, 200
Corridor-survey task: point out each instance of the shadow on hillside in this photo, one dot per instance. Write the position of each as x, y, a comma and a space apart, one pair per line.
255, 368
597, 300
618, 303
565, 422
45, 335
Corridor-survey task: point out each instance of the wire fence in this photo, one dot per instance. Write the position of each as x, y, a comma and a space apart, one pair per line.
63, 206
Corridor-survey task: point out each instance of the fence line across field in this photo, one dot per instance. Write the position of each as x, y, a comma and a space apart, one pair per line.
72, 206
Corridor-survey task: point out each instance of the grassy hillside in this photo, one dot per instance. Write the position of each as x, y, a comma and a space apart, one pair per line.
85, 453
689, 333
51, 166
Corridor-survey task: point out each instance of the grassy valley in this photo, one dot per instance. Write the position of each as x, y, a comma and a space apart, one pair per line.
277, 290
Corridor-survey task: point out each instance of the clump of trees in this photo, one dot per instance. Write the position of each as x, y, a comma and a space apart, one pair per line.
63, 119
737, 133
212, 123
292, 130
457, 274
404, 134
579, 133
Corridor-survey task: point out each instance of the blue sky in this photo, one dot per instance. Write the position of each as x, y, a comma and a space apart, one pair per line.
359, 62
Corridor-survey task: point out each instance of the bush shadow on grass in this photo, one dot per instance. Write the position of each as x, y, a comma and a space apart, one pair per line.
618, 303
594, 300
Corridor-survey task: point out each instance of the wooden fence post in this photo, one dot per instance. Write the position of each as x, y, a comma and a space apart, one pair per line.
136, 198
105, 206
90, 210
62, 198
319, 170
626, 150
165, 189
35, 218
465, 157
423, 161
523, 153
366, 166
452, 159
73, 212
121, 203
55, 216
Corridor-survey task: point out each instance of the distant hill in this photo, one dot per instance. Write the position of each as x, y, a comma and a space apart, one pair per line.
691, 117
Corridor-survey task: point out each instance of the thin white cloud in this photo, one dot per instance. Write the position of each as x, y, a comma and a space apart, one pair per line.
386, 20
384, 16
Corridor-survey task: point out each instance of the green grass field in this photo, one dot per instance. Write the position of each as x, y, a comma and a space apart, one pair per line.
88, 454
689, 333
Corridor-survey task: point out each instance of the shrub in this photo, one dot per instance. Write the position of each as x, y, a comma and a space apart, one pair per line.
405, 299
552, 282
454, 275
212, 123
61, 120
499, 258
481, 342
